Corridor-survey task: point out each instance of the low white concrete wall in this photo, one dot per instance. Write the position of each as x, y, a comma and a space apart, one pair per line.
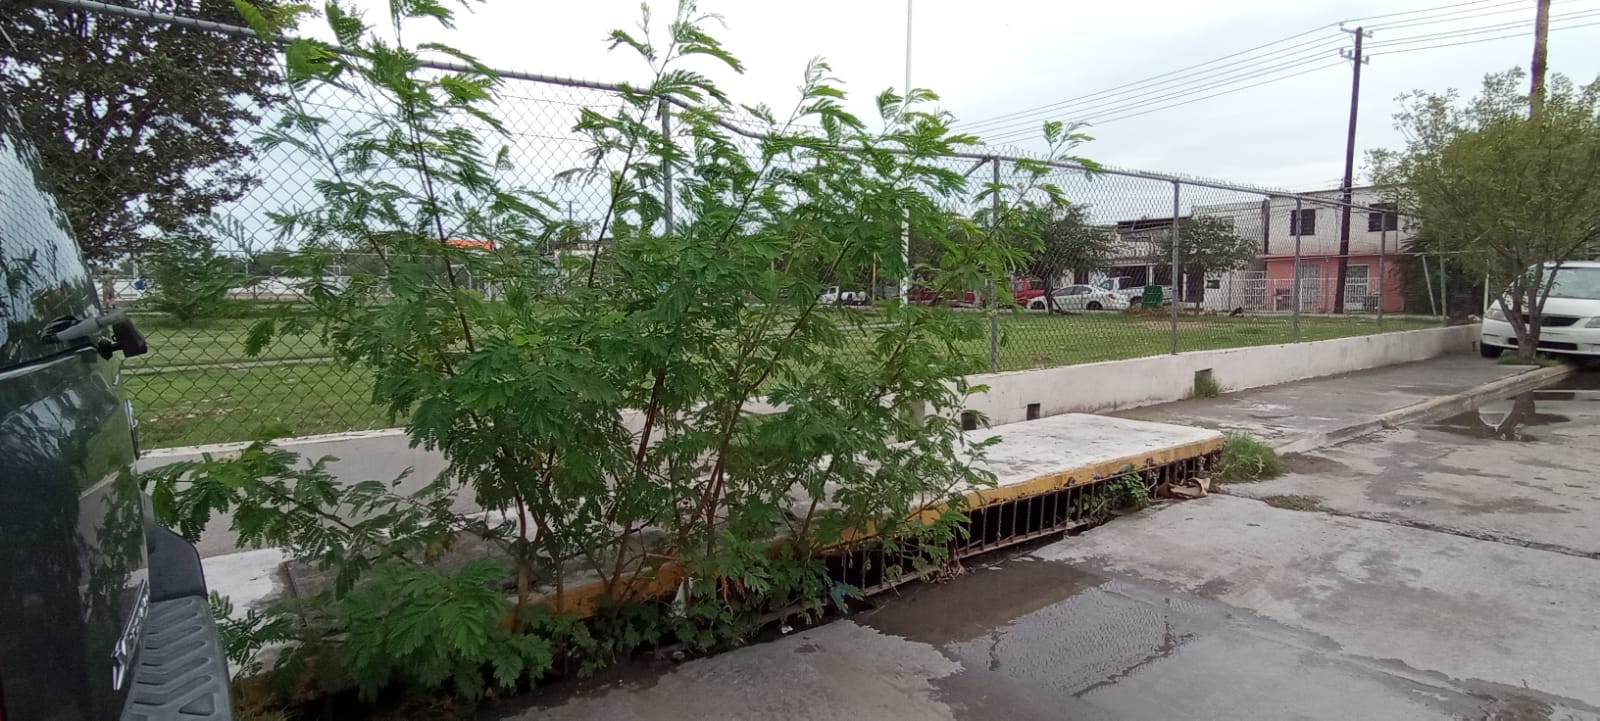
380, 455
1159, 379
385, 454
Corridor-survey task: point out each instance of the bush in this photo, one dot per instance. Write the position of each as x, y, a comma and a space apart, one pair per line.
600, 403
189, 279
1247, 459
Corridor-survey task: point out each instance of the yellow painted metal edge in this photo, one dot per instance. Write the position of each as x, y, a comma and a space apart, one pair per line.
583, 600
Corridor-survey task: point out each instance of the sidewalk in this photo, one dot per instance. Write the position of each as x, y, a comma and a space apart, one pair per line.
1309, 414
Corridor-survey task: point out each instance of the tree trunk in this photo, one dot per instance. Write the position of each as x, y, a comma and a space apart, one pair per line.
1536, 69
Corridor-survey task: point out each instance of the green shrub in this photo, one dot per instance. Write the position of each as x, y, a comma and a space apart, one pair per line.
189, 279
603, 401
1247, 459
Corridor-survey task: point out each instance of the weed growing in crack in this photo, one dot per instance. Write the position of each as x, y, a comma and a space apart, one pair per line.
1246, 459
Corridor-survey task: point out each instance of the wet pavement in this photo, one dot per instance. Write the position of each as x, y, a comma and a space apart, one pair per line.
1442, 571
1520, 470
1279, 414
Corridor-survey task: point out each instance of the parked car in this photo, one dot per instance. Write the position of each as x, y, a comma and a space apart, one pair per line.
1023, 292
103, 614
1570, 323
835, 295
1080, 298
1130, 291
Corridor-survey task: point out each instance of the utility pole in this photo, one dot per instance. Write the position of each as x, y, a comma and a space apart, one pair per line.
905, 224
1541, 33
1356, 61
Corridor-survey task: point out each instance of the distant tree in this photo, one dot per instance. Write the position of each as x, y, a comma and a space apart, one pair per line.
278, 260
137, 122
1501, 193
1206, 245
1068, 243
190, 278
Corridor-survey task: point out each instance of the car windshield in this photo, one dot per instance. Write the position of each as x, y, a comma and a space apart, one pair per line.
1576, 283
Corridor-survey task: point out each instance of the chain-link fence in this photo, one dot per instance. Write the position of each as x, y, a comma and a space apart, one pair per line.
1138, 264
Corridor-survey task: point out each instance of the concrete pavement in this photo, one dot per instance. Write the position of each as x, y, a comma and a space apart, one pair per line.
1217, 608
1519, 471
1278, 415
1421, 573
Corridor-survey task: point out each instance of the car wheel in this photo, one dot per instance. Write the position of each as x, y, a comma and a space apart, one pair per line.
1489, 351
1095, 305
1035, 304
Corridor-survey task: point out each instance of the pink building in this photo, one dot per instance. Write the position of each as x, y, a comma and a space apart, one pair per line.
1319, 275
1277, 226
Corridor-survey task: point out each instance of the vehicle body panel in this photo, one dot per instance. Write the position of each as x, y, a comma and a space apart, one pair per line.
72, 529
1075, 298
1569, 325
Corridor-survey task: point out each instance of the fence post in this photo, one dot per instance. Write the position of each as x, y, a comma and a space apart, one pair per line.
1295, 224
666, 169
1177, 292
994, 309
1427, 282
1444, 299
1383, 279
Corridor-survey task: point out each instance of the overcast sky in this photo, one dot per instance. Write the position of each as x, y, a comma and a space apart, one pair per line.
998, 57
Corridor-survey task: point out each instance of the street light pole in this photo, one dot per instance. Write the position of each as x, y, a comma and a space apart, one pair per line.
905, 222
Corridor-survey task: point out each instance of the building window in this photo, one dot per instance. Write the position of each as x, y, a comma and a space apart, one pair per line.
1383, 218
1304, 222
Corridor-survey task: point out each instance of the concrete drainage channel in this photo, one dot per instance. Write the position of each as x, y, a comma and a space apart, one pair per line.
1060, 502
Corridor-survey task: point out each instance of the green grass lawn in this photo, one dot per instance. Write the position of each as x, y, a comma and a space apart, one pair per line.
214, 340
227, 402
1036, 340
188, 407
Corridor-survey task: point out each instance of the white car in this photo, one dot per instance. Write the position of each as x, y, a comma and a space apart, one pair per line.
1080, 298
834, 295
1571, 318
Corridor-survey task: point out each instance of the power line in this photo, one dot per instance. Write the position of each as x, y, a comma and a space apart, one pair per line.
1482, 40
1129, 107
1226, 92
1138, 93
1144, 109
1136, 84
1464, 32
1419, 10
1084, 112
1456, 16
1121, 115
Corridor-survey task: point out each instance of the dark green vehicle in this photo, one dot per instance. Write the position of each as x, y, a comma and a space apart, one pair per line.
103, 614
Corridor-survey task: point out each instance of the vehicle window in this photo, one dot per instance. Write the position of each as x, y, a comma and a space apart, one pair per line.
1079, 290
39, 264
1576, 283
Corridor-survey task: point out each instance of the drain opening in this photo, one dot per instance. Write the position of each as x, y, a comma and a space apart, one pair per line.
998, 525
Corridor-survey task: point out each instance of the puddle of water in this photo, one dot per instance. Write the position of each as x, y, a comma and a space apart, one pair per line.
1583, 380
978, 602
1509, 425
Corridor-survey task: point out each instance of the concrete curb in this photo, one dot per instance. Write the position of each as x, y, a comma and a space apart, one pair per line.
1433, 408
